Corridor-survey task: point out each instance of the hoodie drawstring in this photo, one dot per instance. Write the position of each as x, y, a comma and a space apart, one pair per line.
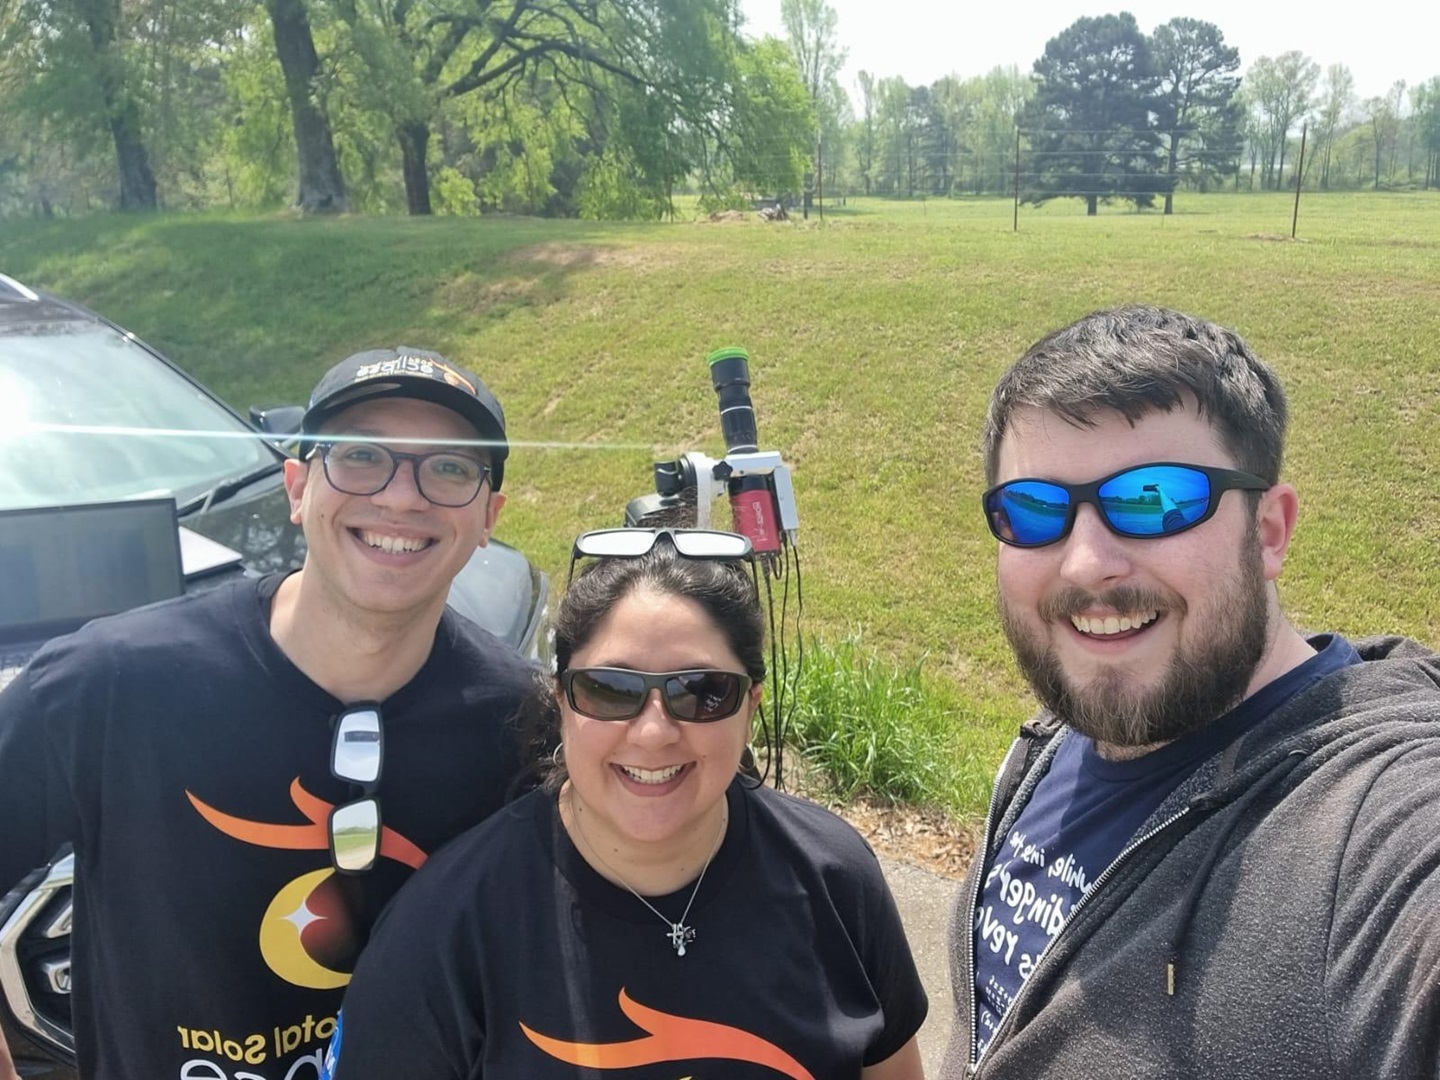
1200, 878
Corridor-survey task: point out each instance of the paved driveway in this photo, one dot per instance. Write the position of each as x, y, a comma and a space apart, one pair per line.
924, 899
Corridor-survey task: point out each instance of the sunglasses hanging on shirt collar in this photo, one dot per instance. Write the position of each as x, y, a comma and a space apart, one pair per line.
357, 756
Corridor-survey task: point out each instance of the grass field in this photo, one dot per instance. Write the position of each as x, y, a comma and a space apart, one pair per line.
875, 338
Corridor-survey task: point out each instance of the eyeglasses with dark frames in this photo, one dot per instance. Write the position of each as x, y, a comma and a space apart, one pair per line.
444, 477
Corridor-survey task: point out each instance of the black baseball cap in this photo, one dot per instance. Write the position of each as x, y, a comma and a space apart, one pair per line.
404, 372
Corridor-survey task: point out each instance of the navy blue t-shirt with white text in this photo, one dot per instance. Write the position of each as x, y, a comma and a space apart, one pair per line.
1082, 814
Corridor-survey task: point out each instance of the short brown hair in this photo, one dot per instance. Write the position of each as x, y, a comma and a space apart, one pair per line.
1138, 360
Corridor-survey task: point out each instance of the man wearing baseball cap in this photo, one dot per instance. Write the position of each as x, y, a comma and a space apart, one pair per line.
249, 773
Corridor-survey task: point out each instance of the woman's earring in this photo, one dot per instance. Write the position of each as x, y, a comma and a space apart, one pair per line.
557, 756
749, 770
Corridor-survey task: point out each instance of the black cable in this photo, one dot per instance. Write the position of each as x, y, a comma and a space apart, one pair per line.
777, 750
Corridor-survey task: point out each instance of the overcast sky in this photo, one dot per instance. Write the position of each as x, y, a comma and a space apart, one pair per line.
922, 40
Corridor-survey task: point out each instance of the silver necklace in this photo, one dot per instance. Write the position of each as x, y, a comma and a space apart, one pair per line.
680, 934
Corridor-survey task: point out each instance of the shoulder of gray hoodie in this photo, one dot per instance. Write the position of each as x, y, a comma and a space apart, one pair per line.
1290, 900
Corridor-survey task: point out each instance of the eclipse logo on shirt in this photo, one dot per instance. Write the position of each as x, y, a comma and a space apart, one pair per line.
306, 935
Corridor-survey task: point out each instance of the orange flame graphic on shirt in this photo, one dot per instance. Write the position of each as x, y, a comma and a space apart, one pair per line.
670, 1039
307, 936
312, 837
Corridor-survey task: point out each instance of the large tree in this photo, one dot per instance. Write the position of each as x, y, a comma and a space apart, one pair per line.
421, 56
866, 139
1426, 99
897, 128
1384, 116
125, 96
121, 105
85, 80
810, 31
1280, 91
948, 111
984, 112
1336, 102
1006, 92
767, 133
1194, 105
321, 188
1089, 124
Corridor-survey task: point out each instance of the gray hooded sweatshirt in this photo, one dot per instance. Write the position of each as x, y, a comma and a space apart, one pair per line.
1277, 917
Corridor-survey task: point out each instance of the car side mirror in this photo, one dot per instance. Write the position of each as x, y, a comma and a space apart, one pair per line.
277, 419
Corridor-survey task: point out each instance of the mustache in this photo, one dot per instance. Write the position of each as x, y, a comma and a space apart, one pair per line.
1061, 605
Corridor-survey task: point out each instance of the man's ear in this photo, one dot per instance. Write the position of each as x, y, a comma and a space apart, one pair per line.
1275, 520
493, 504
297, 474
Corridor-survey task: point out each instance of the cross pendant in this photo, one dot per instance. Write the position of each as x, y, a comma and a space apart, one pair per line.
680, 936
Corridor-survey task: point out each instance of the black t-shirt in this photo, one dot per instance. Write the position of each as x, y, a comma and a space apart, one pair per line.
187, 759
509, 958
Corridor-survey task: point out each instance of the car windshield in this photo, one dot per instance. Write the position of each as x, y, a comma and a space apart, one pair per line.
86, 415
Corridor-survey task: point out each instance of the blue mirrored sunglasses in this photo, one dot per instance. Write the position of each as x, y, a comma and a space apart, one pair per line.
1142, 502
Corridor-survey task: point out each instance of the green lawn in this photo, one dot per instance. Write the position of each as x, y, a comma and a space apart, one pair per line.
875, 338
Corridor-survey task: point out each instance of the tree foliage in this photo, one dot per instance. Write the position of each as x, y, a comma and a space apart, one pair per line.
1194, 104
85, 82
669, 51
1335, 105
1426, 101
1383, 115
1280, 91
608, 108
1089, 123
772, 120
811, 30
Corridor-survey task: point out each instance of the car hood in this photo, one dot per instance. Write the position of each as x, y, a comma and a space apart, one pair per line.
256, 524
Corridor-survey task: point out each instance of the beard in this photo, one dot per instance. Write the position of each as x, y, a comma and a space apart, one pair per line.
1203, 680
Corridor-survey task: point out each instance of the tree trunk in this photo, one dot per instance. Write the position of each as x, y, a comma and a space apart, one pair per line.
321, 190
414, 144
122, 115
1171, 167
137, 182
1092, 203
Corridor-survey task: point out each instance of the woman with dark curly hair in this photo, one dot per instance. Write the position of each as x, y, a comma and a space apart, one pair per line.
647, 912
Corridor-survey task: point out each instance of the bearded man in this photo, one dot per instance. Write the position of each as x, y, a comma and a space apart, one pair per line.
1216, 851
